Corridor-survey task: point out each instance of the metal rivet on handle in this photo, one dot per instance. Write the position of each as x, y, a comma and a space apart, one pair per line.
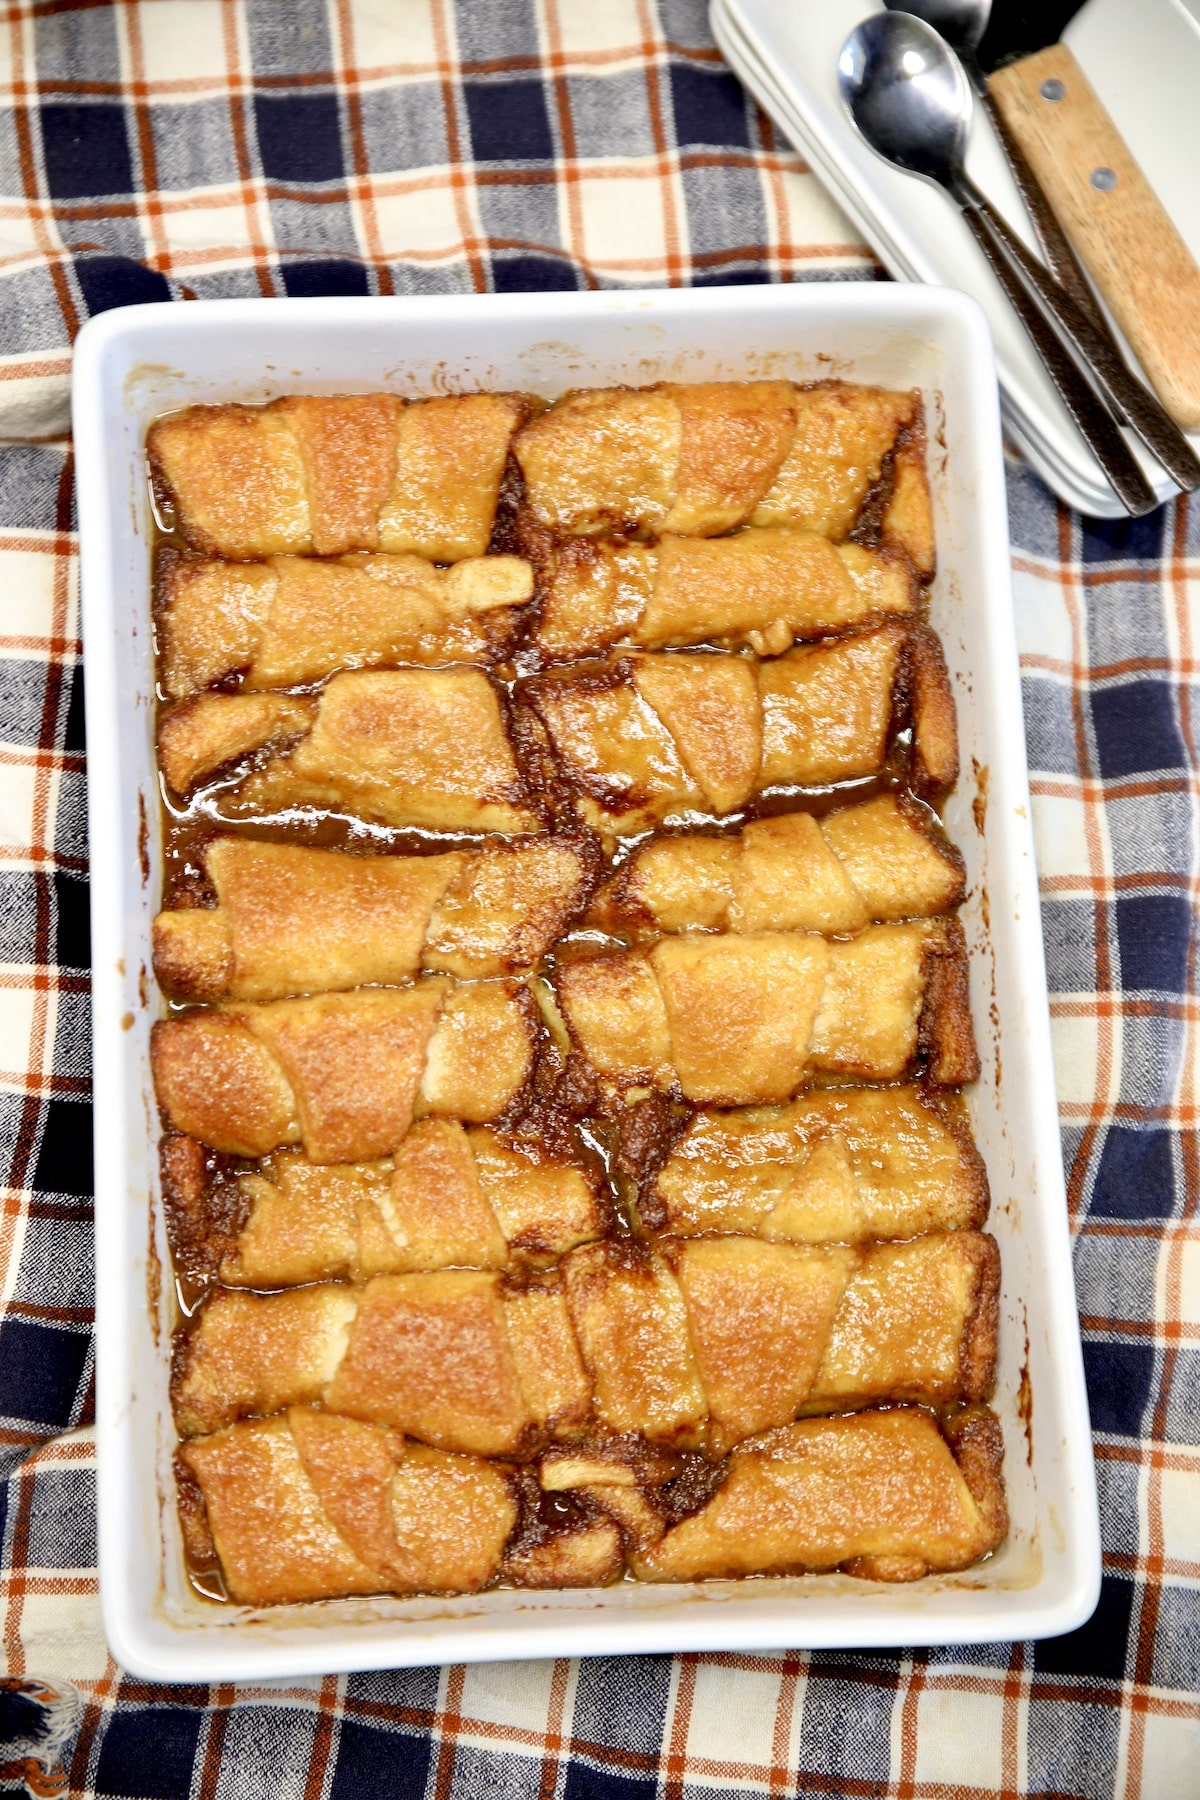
1053, 89
1104, 179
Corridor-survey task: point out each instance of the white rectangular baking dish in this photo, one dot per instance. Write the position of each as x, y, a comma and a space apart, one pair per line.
131, 366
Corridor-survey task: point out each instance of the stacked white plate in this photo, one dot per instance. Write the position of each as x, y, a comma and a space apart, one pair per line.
1144, 62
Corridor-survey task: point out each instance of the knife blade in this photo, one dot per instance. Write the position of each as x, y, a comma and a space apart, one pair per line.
1116, 223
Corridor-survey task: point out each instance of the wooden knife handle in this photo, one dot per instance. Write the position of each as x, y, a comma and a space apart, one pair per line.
1131, 249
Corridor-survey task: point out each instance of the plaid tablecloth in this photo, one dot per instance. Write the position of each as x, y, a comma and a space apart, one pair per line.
241, 147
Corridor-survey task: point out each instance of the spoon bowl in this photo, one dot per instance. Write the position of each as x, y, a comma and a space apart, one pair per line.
908, 95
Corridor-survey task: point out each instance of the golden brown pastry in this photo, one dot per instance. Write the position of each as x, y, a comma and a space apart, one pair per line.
643, 738
331, 474
694, 1345
448, 1197
451, 1355
344, 1075
701, 458
291, 620
415, 747
880, 862
839, 1165
762, 588
290, 920
307, 1506
739, 1021
881, 1495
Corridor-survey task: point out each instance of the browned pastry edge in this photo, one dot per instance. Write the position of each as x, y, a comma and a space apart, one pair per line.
867, 528
945, 1031
974, 1434
921, 815
510, 501
981, 1332
933, 769
590, 675
547, 789
644, 1135
951, 1110
198, 1545
534, 1555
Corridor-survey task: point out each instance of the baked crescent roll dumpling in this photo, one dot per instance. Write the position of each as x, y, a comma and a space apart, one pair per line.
880, 862
290, 920
783, 1329
454, 1356
323, 475
405, 747
882, 1495
344, 1075
308, 1506
448, 1198
761, 588
838, 1165
735, 1021
643, 738
693, 1345
292, 621
701, 458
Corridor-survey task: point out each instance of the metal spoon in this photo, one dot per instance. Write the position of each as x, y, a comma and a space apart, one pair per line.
908, 95
962, 23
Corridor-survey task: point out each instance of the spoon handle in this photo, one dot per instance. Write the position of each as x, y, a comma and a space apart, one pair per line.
1144, 413
1096, 424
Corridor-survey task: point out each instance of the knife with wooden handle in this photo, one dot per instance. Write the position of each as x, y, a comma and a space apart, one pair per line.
1132, 251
